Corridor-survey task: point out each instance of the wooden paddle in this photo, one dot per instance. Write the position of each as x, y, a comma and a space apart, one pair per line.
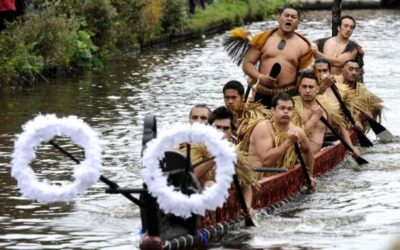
247, 218
359, 159
380, 131
270, 170
110, 183
275, 70
362, 138
303, 166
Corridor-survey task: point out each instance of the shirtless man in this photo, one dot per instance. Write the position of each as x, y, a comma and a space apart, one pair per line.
339, 49
313, 107
222, 119
372, 103
322, 67
311, 111
280, 45
264, 149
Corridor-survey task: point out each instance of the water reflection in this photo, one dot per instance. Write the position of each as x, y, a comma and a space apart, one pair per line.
354, 207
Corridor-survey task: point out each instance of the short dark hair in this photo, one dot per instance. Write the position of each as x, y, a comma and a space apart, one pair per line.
352, 61
323, 60
281, 96
347, 17
289, 7
235, 85
308, 74
203, 106
222, 113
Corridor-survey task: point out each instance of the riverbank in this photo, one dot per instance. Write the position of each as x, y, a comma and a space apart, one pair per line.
346, 4
66, 37
345, 212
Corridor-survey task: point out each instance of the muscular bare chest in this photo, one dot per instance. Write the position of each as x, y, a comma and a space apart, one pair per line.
289, 54
332, 48
318, 126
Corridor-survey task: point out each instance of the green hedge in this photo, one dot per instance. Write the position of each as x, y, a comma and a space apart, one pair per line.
59, 35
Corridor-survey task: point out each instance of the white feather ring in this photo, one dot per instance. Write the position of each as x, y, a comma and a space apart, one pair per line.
43, 128
177, 203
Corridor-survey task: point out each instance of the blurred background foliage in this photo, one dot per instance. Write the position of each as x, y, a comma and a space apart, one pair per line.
59, 36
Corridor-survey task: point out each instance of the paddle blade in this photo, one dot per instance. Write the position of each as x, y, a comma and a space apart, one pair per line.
380, 131
385, 136
247, 217
276, 69
360, 161
248, 221
363, 139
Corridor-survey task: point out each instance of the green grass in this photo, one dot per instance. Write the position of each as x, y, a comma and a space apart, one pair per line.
75, 35
216, 13
231, 11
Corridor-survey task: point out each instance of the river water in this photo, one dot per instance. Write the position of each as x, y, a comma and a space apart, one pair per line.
353, 208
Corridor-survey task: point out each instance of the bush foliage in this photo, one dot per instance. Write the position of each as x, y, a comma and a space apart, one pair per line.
59, 35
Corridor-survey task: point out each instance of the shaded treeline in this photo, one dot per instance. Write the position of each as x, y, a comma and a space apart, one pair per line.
57, 36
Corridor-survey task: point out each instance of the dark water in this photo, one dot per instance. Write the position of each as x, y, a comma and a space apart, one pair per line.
354, 207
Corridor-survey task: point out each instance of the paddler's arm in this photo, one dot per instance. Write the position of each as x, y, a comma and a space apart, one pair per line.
249, 67
266, 153
336, 61
203, 169
346, 137
316, 113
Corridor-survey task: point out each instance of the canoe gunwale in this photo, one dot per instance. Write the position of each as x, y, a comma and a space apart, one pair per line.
273, 192
278, 187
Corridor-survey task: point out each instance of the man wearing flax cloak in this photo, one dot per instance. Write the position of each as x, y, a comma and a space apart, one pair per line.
370, 104
281, 45
310, 107
271, 141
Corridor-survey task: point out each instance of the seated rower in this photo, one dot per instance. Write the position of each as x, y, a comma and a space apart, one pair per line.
245, 114
310, 107
233, 92
272, 140
371, 105
222, 119
322, 68
199, 114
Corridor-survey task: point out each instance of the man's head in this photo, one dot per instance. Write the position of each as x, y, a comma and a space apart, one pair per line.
233, 95
308, 87
351, 72
222, 119
282, 108
322, 66
199, 114
289, 19
346, 26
